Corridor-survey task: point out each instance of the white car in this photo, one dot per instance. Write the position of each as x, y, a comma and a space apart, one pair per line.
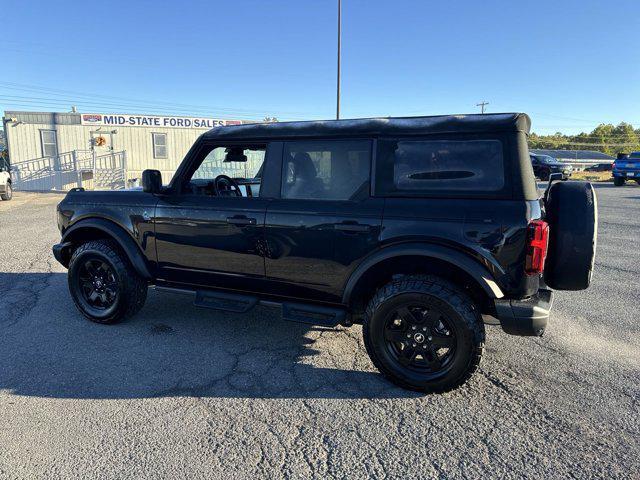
6, 191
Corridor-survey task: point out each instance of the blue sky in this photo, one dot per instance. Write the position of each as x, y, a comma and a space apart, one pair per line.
569, 64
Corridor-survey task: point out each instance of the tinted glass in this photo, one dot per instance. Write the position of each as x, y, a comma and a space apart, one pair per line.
326, 170
214, 164
444, 165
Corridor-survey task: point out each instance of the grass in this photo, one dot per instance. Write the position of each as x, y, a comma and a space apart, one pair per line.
592, 176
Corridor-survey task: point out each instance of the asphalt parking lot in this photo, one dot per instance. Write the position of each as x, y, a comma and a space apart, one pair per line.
181, 392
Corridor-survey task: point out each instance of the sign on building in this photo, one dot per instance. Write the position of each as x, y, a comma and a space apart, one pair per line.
100, 119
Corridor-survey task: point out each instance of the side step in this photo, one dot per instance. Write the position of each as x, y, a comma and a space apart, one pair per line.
292, 312
313, 314
228, 302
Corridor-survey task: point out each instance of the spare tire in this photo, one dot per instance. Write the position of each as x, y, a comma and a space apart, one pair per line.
572, 214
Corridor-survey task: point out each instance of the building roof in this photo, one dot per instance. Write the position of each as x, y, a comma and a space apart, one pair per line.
491, 122
574, 154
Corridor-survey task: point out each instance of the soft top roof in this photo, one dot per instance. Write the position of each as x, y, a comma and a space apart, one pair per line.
475, 123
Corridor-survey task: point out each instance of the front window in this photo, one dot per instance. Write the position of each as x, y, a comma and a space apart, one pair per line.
241, 164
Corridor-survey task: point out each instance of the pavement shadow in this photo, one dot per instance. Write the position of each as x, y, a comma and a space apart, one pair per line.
171, 348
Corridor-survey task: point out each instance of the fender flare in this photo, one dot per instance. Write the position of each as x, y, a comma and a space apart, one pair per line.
117, 233
475, 269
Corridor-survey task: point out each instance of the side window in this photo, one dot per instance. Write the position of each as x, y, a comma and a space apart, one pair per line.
243, 164
456, 166
326, 169
49, 143
159, 145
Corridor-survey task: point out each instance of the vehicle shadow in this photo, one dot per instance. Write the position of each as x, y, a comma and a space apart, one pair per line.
171, 348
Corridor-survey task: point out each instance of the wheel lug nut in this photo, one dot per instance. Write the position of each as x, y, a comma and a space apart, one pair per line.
430, 338
408, 335
424, 347
413, 328
414, 344
424, 329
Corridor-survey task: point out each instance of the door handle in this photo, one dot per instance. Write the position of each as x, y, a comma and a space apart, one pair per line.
241, 221
352, 227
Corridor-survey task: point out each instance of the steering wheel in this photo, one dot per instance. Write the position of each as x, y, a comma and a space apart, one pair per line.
223, 185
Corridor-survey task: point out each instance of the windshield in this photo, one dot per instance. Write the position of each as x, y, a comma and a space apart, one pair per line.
545, 158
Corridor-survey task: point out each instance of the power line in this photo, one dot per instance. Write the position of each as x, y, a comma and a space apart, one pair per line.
59, 92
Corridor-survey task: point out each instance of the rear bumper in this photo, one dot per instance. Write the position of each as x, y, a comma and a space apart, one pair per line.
626, 173
61, 253
527, 317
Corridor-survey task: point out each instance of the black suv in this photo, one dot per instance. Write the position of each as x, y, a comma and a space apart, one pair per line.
544, 166
421, 229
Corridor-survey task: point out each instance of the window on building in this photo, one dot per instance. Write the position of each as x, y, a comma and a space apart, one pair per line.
159, 145
49, 143
326, 170
423, 166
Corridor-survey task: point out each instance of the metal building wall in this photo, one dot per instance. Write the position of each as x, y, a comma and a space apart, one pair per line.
23, 140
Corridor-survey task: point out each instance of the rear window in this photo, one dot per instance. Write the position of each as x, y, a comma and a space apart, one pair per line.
415, 166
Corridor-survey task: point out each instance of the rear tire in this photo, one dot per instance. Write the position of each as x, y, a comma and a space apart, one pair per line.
638, 181
103, 284
424, 334
618, 181
8, 194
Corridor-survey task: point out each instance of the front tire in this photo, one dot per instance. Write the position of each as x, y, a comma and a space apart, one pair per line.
423, 333
8, 194
618, 181
103, 284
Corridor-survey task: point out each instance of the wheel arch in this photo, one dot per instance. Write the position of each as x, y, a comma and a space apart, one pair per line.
446, 262
100, 228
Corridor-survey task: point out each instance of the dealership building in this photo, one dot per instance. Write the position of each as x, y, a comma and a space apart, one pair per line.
60, 151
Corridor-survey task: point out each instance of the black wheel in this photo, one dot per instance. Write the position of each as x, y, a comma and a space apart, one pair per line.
423, 333
638, 181
8, 194
103, 284
618, 181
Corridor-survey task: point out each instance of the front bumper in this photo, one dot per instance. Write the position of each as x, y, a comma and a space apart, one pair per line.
527, 317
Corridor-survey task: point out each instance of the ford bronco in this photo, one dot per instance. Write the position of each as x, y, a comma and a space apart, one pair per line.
421, 229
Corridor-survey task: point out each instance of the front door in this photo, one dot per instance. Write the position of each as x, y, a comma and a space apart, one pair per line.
325, 221
210, 230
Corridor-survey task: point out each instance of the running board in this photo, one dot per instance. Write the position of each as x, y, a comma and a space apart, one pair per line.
313, 314
228, 302
293, 312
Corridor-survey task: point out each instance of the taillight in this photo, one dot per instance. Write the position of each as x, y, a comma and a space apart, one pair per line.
537, 243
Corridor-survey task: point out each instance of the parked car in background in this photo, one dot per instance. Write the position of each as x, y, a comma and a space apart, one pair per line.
544, 165
600, 167
6, 191
626, 167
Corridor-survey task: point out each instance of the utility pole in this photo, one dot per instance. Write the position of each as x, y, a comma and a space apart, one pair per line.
482, 105
339, 41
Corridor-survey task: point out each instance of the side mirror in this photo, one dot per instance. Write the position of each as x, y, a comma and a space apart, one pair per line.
151, 181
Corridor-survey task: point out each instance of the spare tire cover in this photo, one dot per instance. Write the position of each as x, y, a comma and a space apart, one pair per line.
572, 214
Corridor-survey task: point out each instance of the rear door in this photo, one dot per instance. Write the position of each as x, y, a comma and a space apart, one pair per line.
325, 221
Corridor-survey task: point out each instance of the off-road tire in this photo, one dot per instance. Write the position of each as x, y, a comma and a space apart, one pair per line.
132, 288
8, 194
618, 181
443, 295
